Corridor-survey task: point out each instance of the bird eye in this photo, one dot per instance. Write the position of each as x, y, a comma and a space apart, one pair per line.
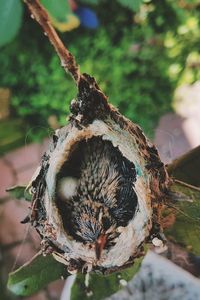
106, 223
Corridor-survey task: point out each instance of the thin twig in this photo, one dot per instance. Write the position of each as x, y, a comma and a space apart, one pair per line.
68, 62
187, 185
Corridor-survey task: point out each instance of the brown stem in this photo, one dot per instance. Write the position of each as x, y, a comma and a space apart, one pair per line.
67, 60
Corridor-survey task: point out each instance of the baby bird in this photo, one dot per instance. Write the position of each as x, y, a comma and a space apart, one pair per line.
96, 194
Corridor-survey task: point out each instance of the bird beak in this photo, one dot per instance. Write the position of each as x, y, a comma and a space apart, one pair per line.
100, 245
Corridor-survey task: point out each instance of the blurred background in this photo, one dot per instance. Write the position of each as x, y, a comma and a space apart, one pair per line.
145, 55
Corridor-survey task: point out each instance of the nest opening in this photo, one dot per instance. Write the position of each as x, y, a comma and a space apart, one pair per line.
95, 190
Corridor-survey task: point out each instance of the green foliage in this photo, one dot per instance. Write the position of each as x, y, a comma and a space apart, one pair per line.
92, 2
183, 49
41, 270
57, 9
19, 192
134, 76
132, 4
11, 14
10, 19
132, 72
178, 23
185, 230
35, 275
10, 139
186, 206
163, 16
101, 286
137, 64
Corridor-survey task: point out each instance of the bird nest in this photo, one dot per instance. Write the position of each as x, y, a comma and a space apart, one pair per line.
98, 193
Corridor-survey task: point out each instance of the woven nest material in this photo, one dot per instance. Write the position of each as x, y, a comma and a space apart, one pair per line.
91, 117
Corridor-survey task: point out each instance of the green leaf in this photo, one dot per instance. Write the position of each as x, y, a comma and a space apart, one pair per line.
132, 4
101, 286
185, 204
58, 9
35, 275
186, 209
10, 19
92, 2
19, 192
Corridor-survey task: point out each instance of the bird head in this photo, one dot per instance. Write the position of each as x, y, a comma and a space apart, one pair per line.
92, 224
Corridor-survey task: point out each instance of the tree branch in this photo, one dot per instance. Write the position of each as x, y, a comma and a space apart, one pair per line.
67, 59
